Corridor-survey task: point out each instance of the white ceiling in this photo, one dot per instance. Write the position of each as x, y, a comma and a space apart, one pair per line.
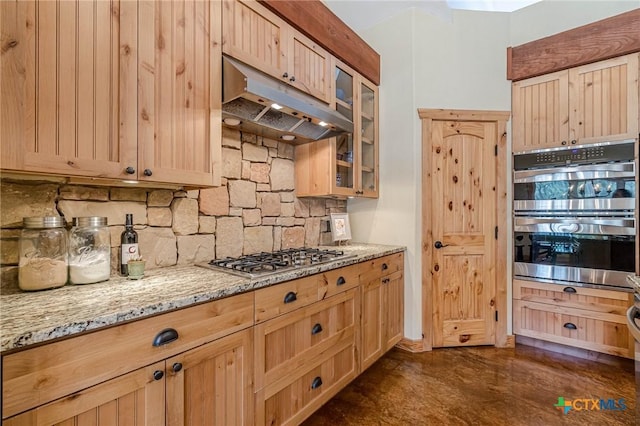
363, 14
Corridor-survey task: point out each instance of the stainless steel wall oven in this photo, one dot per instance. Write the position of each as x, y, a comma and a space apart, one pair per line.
575, 214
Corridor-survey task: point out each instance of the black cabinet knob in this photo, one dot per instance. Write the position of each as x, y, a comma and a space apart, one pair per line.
285, 75
317, 382
157, 375
316, 329
130, 170
573, 142
290, 297
563, 142
293, 78
341, 281
147, 172
385, 266
176, 367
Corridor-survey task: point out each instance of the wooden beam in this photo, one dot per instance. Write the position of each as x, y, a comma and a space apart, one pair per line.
615, 36
316, 21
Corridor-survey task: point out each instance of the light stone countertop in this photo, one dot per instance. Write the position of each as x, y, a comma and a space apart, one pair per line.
635, 281
27, 318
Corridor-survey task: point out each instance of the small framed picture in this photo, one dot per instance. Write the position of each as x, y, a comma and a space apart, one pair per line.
340, 229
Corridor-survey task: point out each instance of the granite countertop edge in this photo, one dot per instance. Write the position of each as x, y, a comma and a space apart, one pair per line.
38, 317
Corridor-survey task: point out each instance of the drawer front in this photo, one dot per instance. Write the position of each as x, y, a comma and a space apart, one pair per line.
35, 376
381, 266
338, 280
591, 299
304, 395
601, 332
286, 297
287, 345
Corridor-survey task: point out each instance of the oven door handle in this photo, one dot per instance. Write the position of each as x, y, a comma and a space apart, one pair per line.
576, 225
632, 314
596, 171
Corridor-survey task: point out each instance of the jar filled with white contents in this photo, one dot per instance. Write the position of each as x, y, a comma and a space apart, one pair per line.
89, 250
43, 253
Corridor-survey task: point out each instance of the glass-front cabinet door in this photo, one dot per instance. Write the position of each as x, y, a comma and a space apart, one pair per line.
368, 138
345, 172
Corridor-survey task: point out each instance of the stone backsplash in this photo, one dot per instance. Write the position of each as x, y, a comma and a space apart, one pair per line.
254, 210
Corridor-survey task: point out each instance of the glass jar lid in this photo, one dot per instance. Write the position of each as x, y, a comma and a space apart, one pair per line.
43, 222
90, 221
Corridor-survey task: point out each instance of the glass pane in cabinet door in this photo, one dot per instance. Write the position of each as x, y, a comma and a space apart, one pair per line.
368, 135
344, 161
344, 93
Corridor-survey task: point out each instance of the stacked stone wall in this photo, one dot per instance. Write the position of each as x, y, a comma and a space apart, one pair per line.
254, 210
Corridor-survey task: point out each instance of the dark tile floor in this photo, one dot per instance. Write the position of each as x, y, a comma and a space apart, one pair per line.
481, 386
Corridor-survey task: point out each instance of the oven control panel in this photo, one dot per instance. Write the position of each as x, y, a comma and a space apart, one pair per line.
575, 156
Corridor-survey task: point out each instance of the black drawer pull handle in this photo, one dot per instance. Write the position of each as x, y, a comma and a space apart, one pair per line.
569, 290
317, 382
385, 281
570, 326
341, 281
157, 375
316, 329
385, 266
176, 367
290, 297
167, 335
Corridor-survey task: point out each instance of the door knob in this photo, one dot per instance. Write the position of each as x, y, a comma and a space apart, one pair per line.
439, 245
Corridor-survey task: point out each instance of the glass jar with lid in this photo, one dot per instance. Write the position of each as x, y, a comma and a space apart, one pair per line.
89, 250
43, 253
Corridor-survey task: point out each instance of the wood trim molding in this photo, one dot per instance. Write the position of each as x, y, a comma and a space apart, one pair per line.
573, 351
410, 345
463, 114
316, 21
604, 39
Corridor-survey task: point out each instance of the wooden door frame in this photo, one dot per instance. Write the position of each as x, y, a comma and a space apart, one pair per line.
427, 117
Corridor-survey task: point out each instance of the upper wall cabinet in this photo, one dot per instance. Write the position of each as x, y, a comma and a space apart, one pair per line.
587, 104
109, 89
68, 87
347, 165
259, 38
179, 91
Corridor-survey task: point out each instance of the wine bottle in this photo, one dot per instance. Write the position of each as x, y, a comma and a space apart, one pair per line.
129, 244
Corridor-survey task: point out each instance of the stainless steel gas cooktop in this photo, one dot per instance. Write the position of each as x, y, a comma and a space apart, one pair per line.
261, 264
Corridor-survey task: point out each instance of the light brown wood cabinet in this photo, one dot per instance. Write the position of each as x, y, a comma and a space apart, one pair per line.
258, 37
587, 318
95, 89
344, 166
118, 370
382, 283
588, 104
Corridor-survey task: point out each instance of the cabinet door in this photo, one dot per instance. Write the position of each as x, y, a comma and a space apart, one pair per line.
255, 36
69, 87
540, 108
604, 100
309, 66
136, 398
367, 136
179, 92
372, 322
212, 384
393, 286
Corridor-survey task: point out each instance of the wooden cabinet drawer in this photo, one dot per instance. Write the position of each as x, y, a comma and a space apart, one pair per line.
599, 331
295, 401
591, 299
286, 345
286, 297
382, 266
35, 376
338, 280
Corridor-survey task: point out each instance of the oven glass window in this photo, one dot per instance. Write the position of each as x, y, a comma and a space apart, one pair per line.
575, 189
610, 252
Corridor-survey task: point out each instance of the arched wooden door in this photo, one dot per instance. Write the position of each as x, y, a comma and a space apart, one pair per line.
461, 230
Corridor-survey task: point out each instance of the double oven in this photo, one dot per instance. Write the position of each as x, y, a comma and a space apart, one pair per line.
575, 215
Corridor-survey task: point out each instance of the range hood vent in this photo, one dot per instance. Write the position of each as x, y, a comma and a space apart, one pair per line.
248, 98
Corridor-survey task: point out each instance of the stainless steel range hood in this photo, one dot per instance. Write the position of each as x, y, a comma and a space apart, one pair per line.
248, 97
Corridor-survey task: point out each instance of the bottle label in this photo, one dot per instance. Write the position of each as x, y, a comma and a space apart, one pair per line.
129, 251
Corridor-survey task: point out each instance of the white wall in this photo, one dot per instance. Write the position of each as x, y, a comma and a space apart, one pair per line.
454, 62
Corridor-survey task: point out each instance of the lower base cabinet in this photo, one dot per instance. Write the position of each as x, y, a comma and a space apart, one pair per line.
587, 318
268, 357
